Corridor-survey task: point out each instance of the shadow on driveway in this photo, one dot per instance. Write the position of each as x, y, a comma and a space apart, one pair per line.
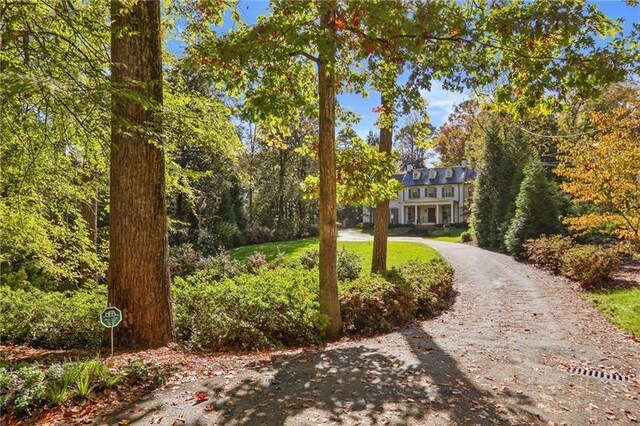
415, 382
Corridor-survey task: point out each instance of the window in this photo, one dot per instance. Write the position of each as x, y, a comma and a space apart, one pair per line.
431, 192
416, 175
432, 174
449, 173
448, 191
414, 193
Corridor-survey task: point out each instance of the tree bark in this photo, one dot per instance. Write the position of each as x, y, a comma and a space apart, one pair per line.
381, 220
139, 282
329, 304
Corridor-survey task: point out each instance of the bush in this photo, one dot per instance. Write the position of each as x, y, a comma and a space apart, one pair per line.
547, 251
51, 319
185, 260
371, 305
270, 309
256, 261
431, 282
536, 208
256, 234
466, 236
589, 264
309, 259
349, 265
223, 266
27, 386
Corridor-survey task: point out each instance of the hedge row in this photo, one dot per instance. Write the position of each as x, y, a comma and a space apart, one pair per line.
588, 264
271, 307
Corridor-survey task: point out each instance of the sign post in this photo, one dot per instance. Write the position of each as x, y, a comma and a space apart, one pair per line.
110, 318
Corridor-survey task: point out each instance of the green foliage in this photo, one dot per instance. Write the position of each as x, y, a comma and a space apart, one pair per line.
270, 309
546, 251
26, 386
349, 265
21, 388
51, 319
536, 208
364, 176
256, 261
309, 259
431, 283
492, 193
466, 236
371, 305
589, 264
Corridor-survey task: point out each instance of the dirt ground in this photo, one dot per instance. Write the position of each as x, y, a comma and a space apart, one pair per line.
500, 356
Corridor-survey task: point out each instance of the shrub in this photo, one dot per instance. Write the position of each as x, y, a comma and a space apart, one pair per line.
256, 261
431, 282
309, 259
349, 265
371, 305
51, 319
185, 260
589, 264
466, 236
27, 386
21, 389
547, 251
256, 234
270, 309
536, 208
224, 266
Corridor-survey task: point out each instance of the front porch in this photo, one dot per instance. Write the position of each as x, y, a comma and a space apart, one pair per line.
427, 215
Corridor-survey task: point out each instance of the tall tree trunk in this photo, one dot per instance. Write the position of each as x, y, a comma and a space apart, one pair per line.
89, 210
381, 220
329, 304
139, 282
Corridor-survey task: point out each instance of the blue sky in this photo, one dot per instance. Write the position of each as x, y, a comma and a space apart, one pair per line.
441, 102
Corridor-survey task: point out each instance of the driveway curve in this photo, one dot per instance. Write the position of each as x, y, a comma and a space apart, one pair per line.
499, 356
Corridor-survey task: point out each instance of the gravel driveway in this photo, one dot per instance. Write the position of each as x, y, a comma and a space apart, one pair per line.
500, 356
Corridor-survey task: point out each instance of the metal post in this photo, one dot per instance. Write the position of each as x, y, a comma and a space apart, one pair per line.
111, 342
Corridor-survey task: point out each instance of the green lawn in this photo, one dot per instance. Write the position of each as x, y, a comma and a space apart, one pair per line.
398, 252
453, 236
622, 307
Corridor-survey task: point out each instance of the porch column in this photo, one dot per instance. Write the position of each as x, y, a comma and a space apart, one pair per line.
437, 214
452, 219
417, 214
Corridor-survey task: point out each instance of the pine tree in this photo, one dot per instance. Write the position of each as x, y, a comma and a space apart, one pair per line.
536, 208
493, 196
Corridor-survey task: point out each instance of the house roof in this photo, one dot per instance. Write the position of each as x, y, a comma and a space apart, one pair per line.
460, 175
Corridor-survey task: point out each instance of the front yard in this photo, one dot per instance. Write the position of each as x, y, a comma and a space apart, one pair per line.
398, 252
622, 307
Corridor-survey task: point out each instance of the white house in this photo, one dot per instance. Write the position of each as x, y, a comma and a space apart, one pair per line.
430, 196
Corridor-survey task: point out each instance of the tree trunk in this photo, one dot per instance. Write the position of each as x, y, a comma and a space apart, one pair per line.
89, 210
329, 304
381, 220
139, 282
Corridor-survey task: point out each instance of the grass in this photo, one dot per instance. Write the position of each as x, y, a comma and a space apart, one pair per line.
453, 236
398, 252
622, 307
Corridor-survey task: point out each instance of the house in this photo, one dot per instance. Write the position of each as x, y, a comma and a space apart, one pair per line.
430, 196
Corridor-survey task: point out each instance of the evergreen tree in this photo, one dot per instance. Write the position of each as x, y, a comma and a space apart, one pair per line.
536, 208
493, 195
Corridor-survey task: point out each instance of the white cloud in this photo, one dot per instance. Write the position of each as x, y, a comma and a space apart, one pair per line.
441, 102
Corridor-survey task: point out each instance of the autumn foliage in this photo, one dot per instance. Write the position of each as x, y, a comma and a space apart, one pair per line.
601, 170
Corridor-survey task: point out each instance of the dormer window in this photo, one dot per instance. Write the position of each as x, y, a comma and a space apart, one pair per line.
416, 174
432, 174
449, 173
